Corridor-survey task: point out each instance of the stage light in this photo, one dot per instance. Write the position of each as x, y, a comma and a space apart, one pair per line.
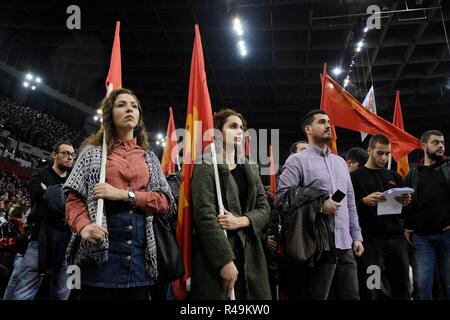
25, 84
95, 118
366, 29
38, 80
360, 44
238, 27
159, 136
33, 87
337, 71
29, 76
157, 142
358, 49
163, 144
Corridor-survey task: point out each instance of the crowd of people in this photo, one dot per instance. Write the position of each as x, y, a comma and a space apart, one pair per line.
325, 234
35, 127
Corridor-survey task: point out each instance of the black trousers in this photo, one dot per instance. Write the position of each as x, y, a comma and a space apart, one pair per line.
391, 256
314, 283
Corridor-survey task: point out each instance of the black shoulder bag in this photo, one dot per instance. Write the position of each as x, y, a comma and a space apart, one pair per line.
170, 263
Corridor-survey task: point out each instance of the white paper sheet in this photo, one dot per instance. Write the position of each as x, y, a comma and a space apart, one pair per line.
392, 206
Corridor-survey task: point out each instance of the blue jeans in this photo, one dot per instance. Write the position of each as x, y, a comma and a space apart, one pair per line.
30, 279
14, 279
430, 250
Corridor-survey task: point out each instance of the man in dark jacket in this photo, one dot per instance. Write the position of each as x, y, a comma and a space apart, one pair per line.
428, 216
45, 254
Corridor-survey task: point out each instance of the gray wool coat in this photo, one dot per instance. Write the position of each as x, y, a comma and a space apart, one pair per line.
211, 249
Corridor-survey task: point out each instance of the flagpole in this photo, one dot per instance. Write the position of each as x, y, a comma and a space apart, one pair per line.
219, 194
100, 201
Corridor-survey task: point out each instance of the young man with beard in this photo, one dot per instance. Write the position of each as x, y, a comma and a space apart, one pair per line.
50, 235
383, 234
317, 169
428, 216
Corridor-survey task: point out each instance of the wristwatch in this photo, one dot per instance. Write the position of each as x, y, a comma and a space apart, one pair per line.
131, 196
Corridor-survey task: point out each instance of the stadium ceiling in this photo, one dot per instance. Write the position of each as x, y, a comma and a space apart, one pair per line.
273, 86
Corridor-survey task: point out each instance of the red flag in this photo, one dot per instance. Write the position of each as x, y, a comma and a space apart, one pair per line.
333, 142
273, 177
346, 112
247, 145
402, 164
170, 153
114, 78
199, 109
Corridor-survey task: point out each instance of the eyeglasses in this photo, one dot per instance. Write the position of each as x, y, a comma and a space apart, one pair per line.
67, 154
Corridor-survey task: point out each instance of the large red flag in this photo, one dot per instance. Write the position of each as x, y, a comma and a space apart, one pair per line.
199, 109
170, 153
346, 112
114, 78
402, 164
333, 142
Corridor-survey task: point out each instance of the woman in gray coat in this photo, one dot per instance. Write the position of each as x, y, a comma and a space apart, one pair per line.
220, 263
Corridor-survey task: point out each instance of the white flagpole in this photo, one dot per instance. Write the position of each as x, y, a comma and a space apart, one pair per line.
219, 193
390, 162
100, 202
178, 163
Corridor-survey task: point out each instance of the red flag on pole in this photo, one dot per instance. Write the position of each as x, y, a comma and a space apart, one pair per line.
402, 164
333, 142
273, 177
114, 78
113, 81
346, 112
170, 153
199, 109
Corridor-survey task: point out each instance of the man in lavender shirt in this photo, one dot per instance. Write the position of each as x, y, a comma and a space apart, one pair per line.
317, 167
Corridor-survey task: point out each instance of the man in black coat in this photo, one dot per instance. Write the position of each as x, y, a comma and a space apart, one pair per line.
45, 254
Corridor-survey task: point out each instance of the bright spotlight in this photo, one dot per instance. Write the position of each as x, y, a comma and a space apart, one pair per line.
38, 80
358, 49
337, 71
95, 118
360, 44
163, 144
159, 136
157, 142
25, 84
366, 29
29, 76
33, 87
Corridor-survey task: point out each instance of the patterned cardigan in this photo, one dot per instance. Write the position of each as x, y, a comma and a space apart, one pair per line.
84, 176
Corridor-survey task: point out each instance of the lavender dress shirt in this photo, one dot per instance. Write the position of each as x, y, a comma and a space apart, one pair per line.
314, 168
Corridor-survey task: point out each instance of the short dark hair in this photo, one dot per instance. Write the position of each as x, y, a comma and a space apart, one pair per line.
427, 134
308, 119
358, 155
378, 138
59, 143
293, 147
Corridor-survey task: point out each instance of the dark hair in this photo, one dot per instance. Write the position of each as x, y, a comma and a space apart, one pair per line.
293, 147
358, 155
106, 106
221, 117
59, 143
378, 138
308, 119
427, 134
